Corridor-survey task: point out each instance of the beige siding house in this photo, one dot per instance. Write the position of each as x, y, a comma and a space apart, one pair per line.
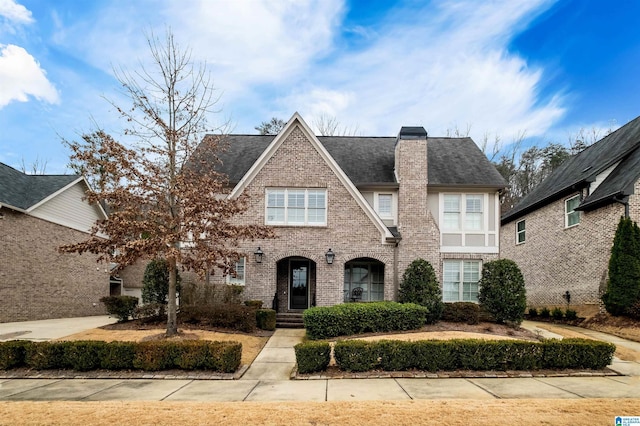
561, 234
39, 213
354, 212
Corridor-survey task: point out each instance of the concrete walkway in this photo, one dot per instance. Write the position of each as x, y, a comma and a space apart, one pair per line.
267, 379
39, 331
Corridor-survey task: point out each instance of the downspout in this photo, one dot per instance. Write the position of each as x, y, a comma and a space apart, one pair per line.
625, 202
395, 271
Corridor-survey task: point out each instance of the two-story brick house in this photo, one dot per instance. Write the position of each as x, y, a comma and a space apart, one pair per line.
562, 232
353, 212
39, 213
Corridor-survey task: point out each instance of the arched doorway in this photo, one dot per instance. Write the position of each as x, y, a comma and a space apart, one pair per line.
296, 283
367, 274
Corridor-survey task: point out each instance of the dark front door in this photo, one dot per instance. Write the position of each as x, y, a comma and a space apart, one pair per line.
299, 284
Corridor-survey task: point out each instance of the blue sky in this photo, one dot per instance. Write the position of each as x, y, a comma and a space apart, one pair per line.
498, 68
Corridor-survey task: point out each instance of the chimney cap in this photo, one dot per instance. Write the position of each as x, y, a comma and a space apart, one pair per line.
408, 132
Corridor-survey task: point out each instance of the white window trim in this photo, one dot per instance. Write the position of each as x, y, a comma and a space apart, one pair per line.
464, 248
461, 282
239, 281
566, 212
523, 231
306, 207
376, 205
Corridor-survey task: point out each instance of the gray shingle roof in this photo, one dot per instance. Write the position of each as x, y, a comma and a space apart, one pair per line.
581, 169
370, 160
23, 191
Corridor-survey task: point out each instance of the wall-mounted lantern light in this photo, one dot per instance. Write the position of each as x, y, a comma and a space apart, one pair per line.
330, 255
258, 253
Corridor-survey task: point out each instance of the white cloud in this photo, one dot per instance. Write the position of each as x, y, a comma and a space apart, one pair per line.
21, 77
15, 12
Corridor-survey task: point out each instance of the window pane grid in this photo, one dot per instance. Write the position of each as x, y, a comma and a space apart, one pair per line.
459, 286
296, 207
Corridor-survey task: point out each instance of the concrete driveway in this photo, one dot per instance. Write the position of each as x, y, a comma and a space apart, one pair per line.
50, 329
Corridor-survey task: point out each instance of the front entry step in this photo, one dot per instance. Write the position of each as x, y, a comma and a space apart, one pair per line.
289, 320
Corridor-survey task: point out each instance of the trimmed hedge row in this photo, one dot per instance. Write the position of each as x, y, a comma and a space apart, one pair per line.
232, 316
460, 354
312, 356
467, 312
147, 356
357, 318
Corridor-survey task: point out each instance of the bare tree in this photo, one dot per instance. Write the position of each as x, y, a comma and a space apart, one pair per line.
38, 167
327, 125
165, 201
271, 127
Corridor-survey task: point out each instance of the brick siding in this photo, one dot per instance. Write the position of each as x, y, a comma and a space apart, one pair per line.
37, 282
555, 259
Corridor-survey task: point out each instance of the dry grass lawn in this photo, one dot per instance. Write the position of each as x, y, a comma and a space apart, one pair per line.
251, 345
439, 412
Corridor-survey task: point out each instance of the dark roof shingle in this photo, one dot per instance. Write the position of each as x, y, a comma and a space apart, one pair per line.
22, 191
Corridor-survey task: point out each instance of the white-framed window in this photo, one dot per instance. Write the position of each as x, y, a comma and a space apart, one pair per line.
520, 231
238, 276
296, 207
473, 212
571, 216
460, 280
452, 212
385, 205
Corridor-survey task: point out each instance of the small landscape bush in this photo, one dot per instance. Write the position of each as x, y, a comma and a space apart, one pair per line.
121, 307
257, 304
502, 291
570, 314
557, 314
545, 312
266, 319
231, 316
12, 353
466, 312
533, 312
420, 286
312, 356
357, 318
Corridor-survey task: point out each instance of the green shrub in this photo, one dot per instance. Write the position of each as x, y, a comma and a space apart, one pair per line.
150, 311
472, 354
83, 355
118, 356
467, 312
226, 355
312, 356
12, 354
623, 286
155, 282
231, 316
357, 318
634, 311
557, 314
502, 291
153, 356
256, 304
420, 286
121, 307
545, 312
571, 315
356, 355
45, 355
266, 319
533, 312
577, 353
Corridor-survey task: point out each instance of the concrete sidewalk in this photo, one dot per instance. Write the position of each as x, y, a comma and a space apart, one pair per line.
267, 379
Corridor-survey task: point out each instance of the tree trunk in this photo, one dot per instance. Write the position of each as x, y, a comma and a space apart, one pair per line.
172, 322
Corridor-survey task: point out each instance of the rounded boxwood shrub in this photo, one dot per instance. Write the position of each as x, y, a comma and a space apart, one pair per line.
420, 286
122, 307
502, 292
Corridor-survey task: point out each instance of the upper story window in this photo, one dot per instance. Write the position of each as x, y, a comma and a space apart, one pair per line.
237, 277
385, 205
296, 207
473, 217
520, 232
571, 216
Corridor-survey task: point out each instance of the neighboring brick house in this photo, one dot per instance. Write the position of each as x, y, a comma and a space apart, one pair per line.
561, 233
39, 213
354, 212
